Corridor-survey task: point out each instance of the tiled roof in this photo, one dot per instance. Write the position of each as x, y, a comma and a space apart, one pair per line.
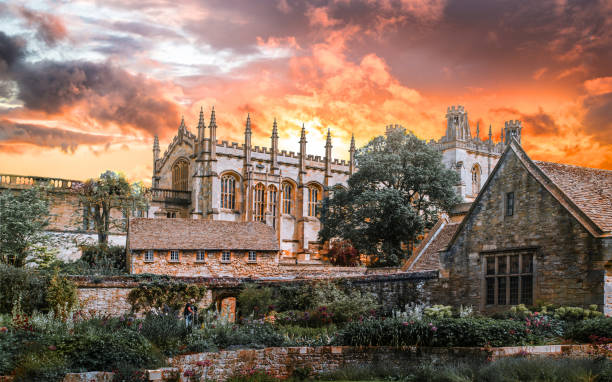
193, 234
427, 258
590, 189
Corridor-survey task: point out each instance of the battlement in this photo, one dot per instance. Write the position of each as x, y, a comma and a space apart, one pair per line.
392, 127
452, 110
513, 124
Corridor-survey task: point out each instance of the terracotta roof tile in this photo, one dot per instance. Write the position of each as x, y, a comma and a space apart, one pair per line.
192, 234
590, 189
427, 258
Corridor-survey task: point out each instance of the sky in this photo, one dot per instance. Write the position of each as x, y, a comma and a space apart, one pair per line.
85, 84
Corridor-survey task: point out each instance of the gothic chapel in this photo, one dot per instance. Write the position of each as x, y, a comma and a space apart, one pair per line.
200, 177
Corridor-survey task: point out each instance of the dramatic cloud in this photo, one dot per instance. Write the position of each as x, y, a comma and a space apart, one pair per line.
49, 28
67, 141
129, 71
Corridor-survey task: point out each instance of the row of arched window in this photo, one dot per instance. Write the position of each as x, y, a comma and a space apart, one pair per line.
266, 200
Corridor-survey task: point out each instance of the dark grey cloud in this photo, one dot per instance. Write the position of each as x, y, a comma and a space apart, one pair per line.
67, 141
12, 49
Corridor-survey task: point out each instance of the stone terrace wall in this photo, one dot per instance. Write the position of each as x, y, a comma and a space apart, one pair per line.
109, 295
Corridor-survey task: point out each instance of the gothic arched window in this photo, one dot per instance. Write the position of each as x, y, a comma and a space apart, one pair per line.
259, 202
228, 192
287, 198
314, 196
475, 179
180, 175
273, 203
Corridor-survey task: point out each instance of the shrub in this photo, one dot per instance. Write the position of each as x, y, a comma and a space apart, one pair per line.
442, 332
165, 331
571, 313
252, 375
581, 331
61, 296
342, 253
255, 334
438, 311
300, 336
342, 305
106, 350
103, 256
44, 366
23, 284
161, 292
255, 300
295, 297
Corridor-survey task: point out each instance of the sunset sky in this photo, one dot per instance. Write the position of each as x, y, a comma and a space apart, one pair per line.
85, 84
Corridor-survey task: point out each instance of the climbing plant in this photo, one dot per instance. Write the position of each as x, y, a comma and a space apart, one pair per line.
158, 294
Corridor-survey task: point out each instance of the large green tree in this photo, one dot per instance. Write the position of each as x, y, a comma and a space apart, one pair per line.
24, 216
111, 191
399, 189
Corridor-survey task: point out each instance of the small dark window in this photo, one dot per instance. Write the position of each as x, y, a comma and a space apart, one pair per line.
510, 204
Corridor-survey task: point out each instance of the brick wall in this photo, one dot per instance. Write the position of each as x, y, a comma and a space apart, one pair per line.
568, 265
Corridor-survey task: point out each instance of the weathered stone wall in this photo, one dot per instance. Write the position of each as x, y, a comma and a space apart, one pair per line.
212, 266
608, 294
567, 259
393, 291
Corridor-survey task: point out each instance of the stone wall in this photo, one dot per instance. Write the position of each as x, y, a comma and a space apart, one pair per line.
608, 293
109, 295
566, 258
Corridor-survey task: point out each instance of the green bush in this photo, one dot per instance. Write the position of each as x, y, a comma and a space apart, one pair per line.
572, 313
294, 297
255, 300
165, 331
61, 296
581, 331
438, 311
106, 350
160, 292
24, 284
252, 375
41, 367
443, 332
102, 256
342, 305
296, 335
250, 335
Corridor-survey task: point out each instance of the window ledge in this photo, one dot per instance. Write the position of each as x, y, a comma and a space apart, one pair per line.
174, 261
225, 261
200, 261
149, 261
251, 261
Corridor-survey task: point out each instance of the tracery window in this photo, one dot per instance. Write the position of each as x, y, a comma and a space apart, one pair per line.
287, 198
475, 179
180, 175
509, 279
314, 195
259, 203
228, 192
272, 200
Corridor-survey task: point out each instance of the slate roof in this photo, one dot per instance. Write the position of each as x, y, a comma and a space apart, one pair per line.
590, 189
426, 256
193, 234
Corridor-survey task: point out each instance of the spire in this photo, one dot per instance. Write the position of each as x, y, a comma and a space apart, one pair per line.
155, 143
328, 141
352, 155
248, 124
490, 132
328, 158
274, 129
502, 134
478, 130
303, 135
213, 119
352, 142
213, 135
201, 126
155, 156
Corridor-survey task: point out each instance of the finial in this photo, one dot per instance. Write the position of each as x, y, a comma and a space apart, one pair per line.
274, 128
213, 119
182, 126
201, 121
155, 141
328, 141
478, 129
248, 123
352, 141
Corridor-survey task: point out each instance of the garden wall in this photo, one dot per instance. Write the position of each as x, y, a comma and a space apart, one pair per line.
109, 295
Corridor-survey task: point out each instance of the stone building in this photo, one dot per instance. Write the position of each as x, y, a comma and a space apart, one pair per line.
204, 248
537, 232
200, 177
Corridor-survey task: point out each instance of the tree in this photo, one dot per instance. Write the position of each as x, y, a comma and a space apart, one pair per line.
24, 216
111, 191
400, 188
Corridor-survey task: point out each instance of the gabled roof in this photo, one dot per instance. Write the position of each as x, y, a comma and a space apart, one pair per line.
194, 234
426, 257
586, 193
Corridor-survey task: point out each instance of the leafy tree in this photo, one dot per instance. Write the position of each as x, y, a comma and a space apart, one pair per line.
111, 191
399, 190
24, 215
